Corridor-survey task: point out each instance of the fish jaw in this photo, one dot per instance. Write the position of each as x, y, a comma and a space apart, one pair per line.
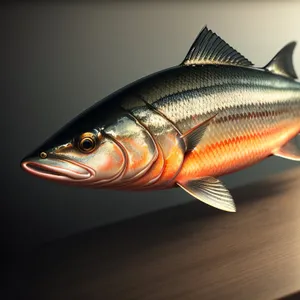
58, 169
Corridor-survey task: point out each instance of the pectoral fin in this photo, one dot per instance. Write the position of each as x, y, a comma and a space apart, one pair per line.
289, 151
210, 191
193, 136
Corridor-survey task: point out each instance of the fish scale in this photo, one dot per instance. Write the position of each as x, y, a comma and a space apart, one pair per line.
265, 94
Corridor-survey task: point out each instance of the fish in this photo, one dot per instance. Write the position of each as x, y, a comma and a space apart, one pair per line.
213, 114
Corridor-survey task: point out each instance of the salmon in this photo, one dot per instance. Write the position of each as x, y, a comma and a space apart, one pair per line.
213, 114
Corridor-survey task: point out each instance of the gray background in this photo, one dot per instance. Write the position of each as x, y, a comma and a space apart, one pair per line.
58, 59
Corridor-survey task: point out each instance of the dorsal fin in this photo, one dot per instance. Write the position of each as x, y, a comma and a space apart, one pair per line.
282, 63
209, 48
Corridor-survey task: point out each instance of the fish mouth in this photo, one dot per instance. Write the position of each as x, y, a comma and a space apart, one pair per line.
57, 169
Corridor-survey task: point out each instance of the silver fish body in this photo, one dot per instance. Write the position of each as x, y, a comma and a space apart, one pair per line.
213, 114
247, 101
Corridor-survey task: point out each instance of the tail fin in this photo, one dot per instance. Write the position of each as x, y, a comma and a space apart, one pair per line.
282, 63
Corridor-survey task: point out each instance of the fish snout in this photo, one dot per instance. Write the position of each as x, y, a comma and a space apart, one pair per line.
57, 169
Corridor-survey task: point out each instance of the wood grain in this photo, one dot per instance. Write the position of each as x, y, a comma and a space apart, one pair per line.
186, 252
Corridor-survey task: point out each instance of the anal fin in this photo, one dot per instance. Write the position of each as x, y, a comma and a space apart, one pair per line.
289, 151
210, 191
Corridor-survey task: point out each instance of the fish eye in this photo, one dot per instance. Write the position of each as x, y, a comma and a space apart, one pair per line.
43, 155
87, 142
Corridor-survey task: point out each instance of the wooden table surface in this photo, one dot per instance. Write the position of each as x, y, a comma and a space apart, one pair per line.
186, 252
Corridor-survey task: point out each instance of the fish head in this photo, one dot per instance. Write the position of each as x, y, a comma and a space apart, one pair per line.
88, 158
79, 154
